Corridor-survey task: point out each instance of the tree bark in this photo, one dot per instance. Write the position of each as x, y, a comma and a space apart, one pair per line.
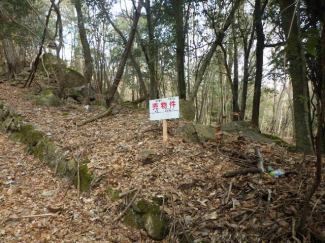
59, 30
235, 106
86, 49
247, 42
14, 66
259, 61
297, 71
124, 57
151, 60
178, 6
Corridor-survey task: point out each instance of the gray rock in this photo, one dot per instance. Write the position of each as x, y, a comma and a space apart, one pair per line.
247, 129
198, 133
155, 226
49, 99
187, 110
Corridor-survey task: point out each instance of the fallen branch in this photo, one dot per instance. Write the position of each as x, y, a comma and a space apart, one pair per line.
123, 194
241, 172
104, 114
127, 207
259, 158
9, 124
32, 216
229, 191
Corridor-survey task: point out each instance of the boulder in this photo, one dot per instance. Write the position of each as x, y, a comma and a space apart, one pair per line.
48, 98
246, 129
73, 78
50, 62
148, 216
198, 133
187, 110
155, 225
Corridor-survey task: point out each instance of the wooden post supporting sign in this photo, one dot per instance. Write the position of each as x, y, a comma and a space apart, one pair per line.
165, 132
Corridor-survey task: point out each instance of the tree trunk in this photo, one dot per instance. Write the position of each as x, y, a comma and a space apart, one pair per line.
259, 62
59, 30
40, 51
125, 55
136, 66
86, 49
14, 66
247, 49
235, 106
152, 54
180, 46
297, 71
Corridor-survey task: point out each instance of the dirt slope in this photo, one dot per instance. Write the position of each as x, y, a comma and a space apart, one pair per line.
200, 203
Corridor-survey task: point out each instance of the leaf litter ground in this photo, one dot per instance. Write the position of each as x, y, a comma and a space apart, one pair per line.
200, 202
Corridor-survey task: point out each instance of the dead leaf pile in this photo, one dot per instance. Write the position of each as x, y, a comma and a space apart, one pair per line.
202, 205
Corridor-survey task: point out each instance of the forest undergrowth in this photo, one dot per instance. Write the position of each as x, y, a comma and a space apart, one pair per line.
36, 206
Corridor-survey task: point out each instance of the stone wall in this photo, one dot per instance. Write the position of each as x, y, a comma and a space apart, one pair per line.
40, 145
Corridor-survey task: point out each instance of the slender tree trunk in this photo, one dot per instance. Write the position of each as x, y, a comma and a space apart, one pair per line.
206, 60
259, 62
247, 50
235, 106
35, 63
86, 49
59, 27
124, 57
136, 66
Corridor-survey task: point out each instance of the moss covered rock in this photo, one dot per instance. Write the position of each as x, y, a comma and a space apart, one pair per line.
85, 178
48, 100
133, 220
187, 110
197, 133
73, 78
247, 129
155, 226
17, 137
50, 62
33, 137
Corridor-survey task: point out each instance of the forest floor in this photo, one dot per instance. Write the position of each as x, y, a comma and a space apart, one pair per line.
36, 206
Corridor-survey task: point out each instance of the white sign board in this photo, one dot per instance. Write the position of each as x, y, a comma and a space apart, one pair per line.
161, 109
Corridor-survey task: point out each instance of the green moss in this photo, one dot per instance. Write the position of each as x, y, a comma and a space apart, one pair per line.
147, 207
278, 140
185, 238
86, 161
99, 103
62, 167
48, 92
33, 136
17, 137
156, 226
130, 105
65, 113
26, 128
133, 220
85, 178
115, 195
160, 200
109, 190
41, 149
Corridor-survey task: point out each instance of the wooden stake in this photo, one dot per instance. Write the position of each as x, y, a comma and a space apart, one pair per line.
165, 134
